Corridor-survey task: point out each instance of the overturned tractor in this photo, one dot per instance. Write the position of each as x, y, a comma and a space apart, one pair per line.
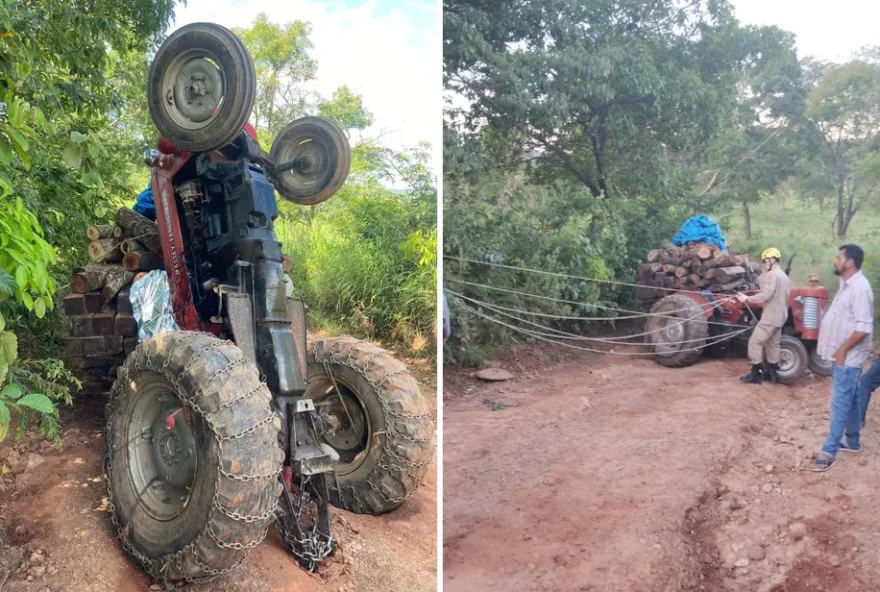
236, 421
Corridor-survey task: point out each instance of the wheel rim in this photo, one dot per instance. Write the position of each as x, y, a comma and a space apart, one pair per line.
820, 363
162, 462
787, 362
193, 89
670, 336
317, 168
348, 427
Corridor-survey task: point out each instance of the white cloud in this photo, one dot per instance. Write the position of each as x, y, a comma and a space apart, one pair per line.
393, 60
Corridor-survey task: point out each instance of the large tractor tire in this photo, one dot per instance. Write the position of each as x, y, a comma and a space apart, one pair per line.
678, 335
793, 359
193, 457
818, 365
376, 419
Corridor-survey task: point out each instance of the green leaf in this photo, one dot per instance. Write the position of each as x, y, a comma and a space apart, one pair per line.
72, 157
4, 369
7, 284
40, 307
8, 349
5, 418
41, 403
2, 322
77, 137
11, 391
5, 186
19, 141
21, 277
90, 179
25, 298
5, 153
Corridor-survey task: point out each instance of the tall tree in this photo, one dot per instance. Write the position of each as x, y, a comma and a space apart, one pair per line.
844, 107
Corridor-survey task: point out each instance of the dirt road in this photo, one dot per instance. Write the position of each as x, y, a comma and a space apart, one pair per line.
55, 525
616, 474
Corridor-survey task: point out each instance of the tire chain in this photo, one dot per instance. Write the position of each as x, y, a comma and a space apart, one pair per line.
349, 362
316, 550
158, 567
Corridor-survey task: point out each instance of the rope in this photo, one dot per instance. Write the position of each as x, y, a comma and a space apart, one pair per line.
708, 343
564, 275
613, 340
633, 313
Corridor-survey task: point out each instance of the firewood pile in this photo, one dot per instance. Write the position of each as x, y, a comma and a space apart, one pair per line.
695, 266
103, 329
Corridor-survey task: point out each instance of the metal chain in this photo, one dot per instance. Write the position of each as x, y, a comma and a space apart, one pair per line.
333, 347
158, 568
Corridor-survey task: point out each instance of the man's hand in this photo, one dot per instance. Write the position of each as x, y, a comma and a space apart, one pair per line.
840, 357
741, 297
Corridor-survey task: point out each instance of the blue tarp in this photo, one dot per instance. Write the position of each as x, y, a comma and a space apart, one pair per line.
145, 205
700, 229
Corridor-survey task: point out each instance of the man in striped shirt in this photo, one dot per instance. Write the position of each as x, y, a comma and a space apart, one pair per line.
845, 337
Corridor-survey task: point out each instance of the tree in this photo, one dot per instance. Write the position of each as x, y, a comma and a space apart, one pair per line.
604, 90
283, 66
844, 108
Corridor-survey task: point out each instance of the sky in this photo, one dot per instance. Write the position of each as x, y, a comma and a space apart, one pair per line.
827, 30
387, 50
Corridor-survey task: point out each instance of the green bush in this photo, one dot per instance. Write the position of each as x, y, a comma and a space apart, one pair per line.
366, 264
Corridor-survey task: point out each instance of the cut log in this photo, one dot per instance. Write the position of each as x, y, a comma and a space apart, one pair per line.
92, 347
668, 268
736, 259
118, 233
660, 277
653, 256
696, 280
680, 272
99, 231
667, 245
141, 261
91, 277
735, 251
728, 274
139, 228
728, 287
105, 250
81, 325
115, 282
697, 266
673, 258
102, 323
130, 244
80, 304
703, 252
123, 302
125, 325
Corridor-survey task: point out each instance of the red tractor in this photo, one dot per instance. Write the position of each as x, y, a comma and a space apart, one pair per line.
690, 323
236, 422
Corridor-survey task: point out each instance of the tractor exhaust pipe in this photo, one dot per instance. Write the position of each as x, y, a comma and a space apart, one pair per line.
788, 265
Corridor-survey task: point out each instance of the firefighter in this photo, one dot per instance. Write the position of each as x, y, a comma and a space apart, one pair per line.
767, 335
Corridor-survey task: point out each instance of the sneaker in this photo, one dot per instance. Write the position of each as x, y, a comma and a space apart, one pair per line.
823, 463
847, 448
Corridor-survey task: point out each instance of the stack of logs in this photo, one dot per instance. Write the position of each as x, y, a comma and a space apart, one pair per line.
695, 266
103, 330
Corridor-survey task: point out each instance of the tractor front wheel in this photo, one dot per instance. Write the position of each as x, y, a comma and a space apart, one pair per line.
375, 418
193, 461
818, 365
793, 359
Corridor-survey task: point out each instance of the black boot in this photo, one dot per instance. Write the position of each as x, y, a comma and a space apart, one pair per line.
772, 373
753, 377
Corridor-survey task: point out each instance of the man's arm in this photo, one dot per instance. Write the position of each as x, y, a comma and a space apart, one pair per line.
768, 287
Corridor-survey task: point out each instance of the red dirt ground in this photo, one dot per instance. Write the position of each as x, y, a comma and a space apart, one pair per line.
617, 474
54, 516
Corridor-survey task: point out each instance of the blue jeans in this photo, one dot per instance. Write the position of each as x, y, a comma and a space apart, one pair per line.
846, 413
868, 383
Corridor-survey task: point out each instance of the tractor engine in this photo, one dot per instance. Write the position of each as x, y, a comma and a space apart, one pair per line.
229, 209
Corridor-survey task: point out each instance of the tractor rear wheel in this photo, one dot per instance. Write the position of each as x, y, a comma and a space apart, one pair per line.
193, 457
818, 365
377, 421
677, 331
793, 359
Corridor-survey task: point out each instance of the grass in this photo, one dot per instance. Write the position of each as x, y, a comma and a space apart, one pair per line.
805, 230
